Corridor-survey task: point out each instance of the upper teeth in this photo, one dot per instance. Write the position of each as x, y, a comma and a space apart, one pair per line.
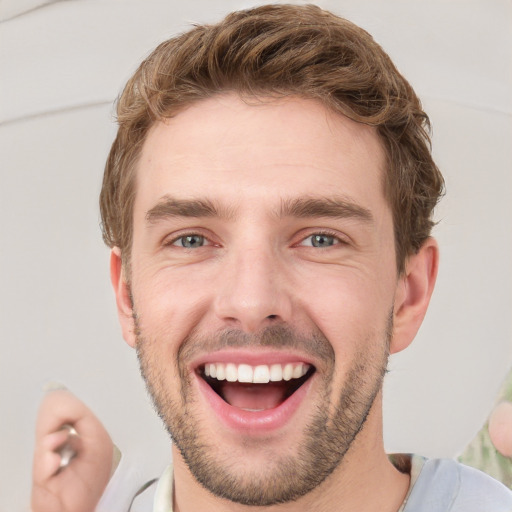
259, 374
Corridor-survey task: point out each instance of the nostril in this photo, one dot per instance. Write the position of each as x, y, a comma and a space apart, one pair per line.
272, 317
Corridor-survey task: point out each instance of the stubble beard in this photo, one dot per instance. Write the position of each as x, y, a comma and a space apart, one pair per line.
325, 440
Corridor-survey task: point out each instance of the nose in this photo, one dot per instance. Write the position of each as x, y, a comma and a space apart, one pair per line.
252, 292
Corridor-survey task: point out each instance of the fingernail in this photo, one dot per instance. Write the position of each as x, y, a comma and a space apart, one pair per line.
54, 386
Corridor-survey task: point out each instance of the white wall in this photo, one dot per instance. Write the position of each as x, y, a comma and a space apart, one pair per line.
61, 66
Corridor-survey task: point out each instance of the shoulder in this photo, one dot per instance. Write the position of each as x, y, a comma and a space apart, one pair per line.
480, 491
445, 485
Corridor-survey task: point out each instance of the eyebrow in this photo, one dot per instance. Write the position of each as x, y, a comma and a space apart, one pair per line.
302, 207
337, 207
172, 207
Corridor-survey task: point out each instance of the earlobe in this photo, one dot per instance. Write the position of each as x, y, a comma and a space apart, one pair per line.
415, 287
123, 297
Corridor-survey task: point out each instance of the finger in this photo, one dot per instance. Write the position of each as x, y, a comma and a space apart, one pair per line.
62, 407
59, 411
83, 453
500, 428
57, 408
53, 441
45, 465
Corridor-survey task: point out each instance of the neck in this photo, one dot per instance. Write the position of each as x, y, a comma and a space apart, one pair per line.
365, 467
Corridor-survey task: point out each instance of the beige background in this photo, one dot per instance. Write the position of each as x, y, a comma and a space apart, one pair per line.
62, 64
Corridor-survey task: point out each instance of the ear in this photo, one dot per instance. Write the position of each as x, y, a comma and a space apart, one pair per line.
414, 289
123, 298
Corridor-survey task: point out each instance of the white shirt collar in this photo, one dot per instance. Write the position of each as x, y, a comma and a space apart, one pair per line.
164, 492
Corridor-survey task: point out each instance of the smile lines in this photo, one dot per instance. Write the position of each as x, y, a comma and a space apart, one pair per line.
260, 374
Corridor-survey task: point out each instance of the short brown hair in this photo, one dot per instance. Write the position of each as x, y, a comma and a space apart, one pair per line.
276, 51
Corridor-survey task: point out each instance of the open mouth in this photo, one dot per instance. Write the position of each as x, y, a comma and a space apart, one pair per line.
255, 388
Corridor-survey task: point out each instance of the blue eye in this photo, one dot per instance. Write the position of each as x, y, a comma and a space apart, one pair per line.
320, 240
190, 241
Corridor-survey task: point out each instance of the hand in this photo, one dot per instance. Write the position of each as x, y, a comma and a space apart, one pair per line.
500, 428
78, 486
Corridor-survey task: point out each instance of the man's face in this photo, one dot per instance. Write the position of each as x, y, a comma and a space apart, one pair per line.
263, 251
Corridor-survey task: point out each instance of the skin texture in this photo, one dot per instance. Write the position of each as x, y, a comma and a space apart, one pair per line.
253, 268
79, 486
500, 428
287, 475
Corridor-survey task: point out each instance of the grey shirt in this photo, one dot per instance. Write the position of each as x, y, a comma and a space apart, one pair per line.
437, 485
444, 485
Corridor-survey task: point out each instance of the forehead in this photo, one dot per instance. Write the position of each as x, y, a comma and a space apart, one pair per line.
273, 149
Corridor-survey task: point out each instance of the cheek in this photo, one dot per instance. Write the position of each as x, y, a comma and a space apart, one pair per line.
168, 305
351, 308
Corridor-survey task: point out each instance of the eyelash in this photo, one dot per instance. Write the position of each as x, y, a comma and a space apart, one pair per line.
330, 234
173, 241
325, 233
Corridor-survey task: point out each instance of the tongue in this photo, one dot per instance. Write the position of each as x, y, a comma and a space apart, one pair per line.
253, 396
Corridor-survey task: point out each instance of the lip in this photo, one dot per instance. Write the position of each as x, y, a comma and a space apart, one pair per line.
252, 358
252, 422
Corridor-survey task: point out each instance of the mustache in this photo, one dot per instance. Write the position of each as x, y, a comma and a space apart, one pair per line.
314, 344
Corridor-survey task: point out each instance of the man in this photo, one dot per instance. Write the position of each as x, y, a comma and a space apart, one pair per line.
268, 201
